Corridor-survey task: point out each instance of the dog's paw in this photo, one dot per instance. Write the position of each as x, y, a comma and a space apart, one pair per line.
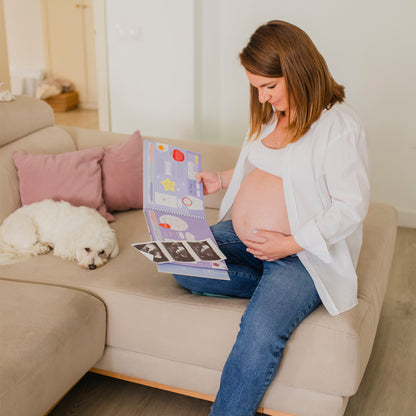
40, 248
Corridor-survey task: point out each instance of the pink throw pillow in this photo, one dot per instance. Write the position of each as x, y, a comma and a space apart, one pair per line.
122, 169
73, 176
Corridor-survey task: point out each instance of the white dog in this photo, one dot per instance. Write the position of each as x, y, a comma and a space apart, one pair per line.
73, 233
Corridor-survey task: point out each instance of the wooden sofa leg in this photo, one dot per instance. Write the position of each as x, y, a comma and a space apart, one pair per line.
190, 393
159, 386
273, 412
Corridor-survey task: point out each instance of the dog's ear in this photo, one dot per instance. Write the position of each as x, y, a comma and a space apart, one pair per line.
114, 252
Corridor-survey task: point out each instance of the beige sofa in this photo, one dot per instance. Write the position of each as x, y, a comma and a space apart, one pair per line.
127, 320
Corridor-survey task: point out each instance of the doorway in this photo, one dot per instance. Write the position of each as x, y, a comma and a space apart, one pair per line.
55, 38
69, 39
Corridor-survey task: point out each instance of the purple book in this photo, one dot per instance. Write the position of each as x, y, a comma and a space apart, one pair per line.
173, 204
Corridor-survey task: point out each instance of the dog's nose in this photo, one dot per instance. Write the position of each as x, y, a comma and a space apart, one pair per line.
92, 266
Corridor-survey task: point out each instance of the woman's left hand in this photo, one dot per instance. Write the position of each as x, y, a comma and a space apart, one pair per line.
275, 245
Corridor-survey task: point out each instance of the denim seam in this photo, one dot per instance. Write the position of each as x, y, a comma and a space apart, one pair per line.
307, 311
223, 243
270, 375
242, 274
272, 371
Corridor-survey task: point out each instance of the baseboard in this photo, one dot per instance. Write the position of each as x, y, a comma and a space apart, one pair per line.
88, 106
406, 218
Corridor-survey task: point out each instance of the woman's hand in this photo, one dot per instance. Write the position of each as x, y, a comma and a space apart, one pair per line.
213, 182
210, 182
274, 245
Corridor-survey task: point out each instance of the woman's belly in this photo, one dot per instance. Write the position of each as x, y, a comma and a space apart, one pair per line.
260, 204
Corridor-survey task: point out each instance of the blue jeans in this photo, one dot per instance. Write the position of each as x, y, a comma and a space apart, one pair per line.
281, 294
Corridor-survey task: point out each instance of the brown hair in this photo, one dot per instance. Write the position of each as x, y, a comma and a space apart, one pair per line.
280, 49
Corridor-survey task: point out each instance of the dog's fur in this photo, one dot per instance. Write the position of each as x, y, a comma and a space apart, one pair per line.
73, 233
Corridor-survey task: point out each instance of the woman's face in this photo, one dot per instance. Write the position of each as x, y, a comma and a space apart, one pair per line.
272, 90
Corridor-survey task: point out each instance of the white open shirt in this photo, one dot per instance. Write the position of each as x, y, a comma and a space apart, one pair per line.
326, 187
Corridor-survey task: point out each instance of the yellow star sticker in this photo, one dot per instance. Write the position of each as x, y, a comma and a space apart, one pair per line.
168, 185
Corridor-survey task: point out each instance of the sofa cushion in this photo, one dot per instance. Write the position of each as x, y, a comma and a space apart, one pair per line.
50, 140
122, 171
22, 116
50, 337
74, 177
150, 314
212, 159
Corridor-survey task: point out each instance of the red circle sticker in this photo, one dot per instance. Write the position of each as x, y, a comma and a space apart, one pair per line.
187, 201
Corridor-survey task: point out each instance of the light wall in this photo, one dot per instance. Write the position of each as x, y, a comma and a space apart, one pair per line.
174, 71
4, 61
370, 47
23, 23
24, 29
151, 66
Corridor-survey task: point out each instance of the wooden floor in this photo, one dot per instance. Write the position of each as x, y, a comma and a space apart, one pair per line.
87, 119
387, 388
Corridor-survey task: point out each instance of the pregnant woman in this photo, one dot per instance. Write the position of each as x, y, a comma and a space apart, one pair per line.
297, 198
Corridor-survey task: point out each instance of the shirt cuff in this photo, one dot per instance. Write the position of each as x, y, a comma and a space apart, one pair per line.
309, 237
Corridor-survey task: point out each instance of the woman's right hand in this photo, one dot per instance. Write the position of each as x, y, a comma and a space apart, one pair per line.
210, 182
214, 181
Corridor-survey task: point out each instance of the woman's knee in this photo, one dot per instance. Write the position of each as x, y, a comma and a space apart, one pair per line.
187, 282
238, 286
224, 232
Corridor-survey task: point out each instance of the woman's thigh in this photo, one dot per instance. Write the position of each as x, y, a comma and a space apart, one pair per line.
285, 295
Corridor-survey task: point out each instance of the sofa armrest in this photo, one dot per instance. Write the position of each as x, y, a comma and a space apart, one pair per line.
23, 116
86, 138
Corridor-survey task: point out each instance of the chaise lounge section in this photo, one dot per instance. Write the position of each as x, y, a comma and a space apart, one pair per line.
50, 337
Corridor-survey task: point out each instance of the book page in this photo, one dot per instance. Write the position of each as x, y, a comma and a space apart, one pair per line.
165, 226
169, 181
173, 205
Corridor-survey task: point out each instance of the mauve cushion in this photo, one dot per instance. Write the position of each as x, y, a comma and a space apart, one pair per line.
73, 176
122, 170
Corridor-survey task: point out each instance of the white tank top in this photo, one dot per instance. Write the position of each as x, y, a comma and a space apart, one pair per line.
267, 159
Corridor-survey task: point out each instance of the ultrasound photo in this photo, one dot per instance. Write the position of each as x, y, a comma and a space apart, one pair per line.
204, 250
178, 251
154, 250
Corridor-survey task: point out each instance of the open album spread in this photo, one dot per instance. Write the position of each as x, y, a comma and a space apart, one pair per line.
173, 204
